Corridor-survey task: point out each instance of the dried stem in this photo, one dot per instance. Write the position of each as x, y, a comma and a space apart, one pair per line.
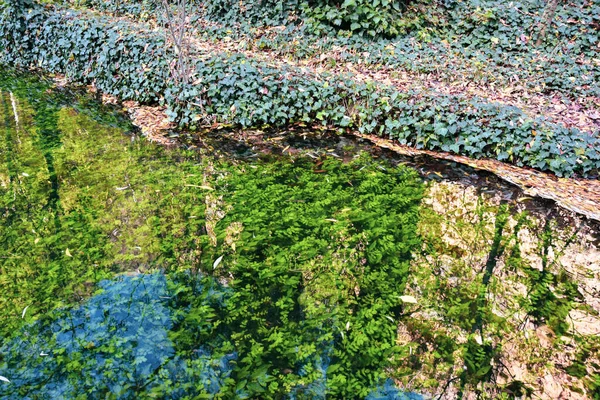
176, 24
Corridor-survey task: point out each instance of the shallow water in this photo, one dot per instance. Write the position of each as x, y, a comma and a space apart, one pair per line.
251, 264
118, 263
119, 340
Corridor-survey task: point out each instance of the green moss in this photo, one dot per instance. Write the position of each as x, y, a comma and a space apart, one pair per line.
317, 252
321, 255
78, 201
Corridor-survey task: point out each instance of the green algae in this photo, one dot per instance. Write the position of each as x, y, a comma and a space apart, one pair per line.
314, 254
317, 252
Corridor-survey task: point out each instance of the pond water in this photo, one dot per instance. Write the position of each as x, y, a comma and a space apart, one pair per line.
130, 270
263, 265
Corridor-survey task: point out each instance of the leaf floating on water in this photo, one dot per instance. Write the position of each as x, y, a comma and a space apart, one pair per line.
24, 311
200, 187
217, 262
408, 299
3, 379
68, 252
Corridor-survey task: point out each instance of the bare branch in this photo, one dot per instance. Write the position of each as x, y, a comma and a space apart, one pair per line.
177, 28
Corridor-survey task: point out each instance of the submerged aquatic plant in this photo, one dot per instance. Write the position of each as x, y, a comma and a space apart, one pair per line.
315, 255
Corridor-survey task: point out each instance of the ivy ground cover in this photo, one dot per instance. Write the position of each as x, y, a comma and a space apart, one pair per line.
246, 91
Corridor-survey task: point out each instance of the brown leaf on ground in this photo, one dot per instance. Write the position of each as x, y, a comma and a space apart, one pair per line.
578, 195
152, 122
582, 113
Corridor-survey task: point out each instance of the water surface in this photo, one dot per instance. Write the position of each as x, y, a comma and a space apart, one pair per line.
130, 270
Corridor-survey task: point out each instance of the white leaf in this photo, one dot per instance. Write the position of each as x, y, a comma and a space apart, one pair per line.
408, 299
42, 354
24, 311
390, 318
200, 187
3, 379
348, 325
68, 253
217, 262
25, 174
